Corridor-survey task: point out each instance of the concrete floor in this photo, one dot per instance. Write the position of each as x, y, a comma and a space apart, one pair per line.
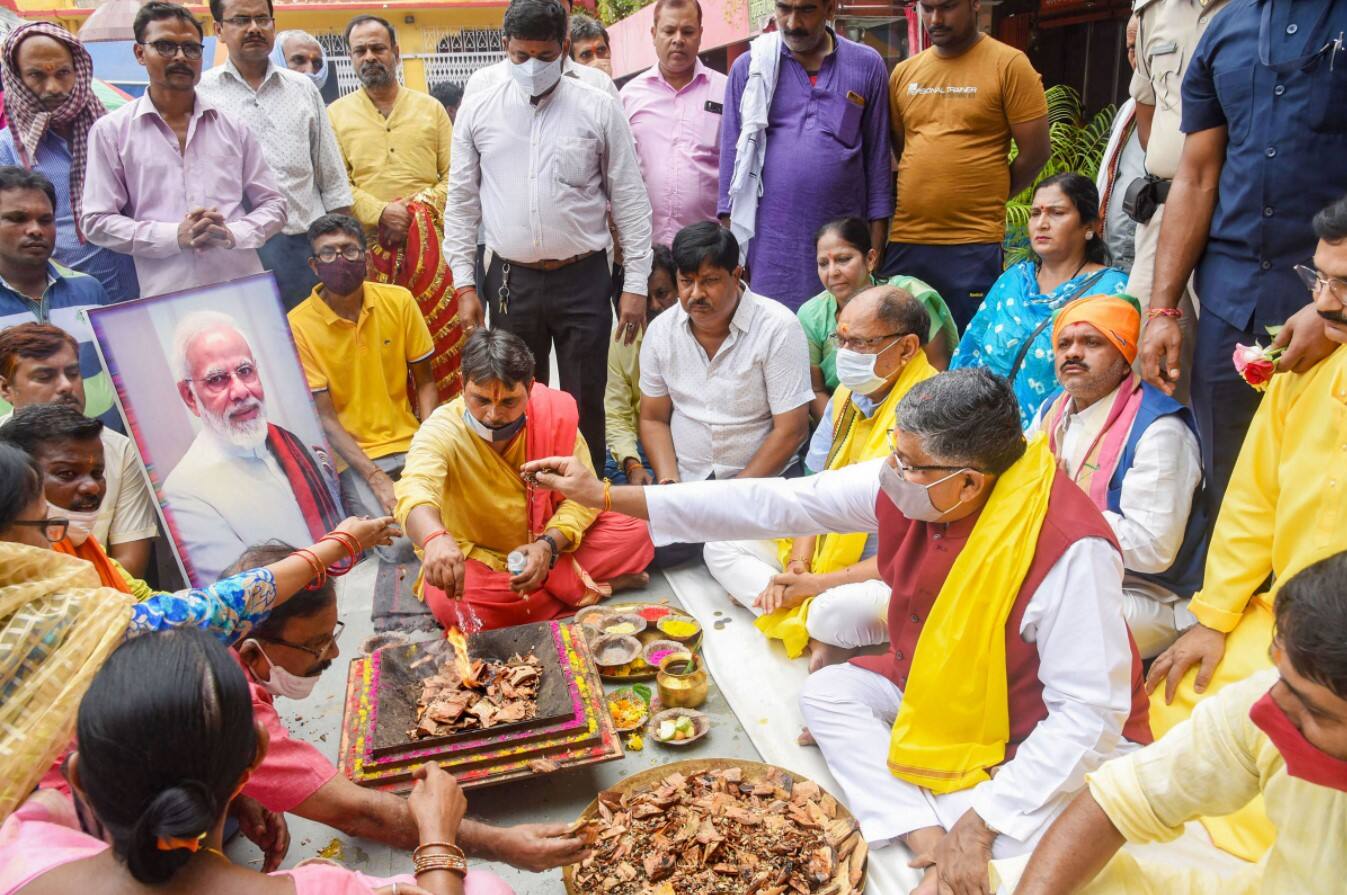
558, 797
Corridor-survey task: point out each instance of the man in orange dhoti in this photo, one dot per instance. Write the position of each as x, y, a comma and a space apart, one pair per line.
463, 503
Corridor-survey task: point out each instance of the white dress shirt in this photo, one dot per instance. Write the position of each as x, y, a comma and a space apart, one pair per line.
1157, 492
540, 179
222, 499
288, 117
1085, 656
723, 406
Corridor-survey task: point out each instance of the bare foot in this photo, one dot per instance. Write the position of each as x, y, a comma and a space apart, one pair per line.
629, 582
821, 655
806, 738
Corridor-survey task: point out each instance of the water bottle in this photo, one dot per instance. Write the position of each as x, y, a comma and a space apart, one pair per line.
516, 562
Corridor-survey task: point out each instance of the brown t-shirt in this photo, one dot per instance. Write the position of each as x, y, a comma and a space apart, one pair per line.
953, 117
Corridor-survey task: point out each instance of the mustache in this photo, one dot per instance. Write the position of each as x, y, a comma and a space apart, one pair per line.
37, 243
1334, 317
180, 70
1074, 365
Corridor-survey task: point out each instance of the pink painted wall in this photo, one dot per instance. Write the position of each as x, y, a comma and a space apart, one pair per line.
723, 22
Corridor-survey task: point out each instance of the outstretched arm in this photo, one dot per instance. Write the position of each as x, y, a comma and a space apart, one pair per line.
1075, 848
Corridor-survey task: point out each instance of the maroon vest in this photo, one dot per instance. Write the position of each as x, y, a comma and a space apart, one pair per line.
914, 560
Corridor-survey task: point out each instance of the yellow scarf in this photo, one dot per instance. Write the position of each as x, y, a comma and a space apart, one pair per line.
57, 625
955, 716
856, 439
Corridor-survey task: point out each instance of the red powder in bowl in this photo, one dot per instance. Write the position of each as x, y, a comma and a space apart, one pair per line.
654, 613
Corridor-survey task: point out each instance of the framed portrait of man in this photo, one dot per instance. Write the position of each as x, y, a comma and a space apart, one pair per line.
213, 394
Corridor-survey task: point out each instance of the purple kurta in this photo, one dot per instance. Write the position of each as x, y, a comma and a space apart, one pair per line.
827, 158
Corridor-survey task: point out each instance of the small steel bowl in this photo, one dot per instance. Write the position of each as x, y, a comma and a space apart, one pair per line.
658, 646
615, 650
638, 624
701, 725
593, 617
686, 619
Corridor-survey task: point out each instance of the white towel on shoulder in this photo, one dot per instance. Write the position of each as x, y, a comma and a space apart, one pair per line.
751, 149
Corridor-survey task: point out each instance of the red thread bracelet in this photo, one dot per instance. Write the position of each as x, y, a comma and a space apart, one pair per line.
1172, 313
432, 536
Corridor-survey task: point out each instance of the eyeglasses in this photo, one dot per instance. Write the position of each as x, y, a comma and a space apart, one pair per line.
318, 652
329, 254
905, 468
168, 49
245, 21
217, 381
862, 345
1315, 281
53, 529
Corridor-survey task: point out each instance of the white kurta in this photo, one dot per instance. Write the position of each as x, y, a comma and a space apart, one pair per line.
223, 499
1085, 661
1157, 496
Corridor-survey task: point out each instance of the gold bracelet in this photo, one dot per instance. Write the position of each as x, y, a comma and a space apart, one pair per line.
453, 849
607, 495
432, 863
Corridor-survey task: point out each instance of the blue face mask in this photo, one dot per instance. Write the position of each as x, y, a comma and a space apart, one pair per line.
499, 433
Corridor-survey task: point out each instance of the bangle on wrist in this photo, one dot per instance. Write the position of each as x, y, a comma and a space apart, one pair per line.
607, 495
552, 546
453, 849
317, 571
1172, 313
432, 536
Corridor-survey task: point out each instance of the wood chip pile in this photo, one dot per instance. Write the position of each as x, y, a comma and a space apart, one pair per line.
496, 693
716, 832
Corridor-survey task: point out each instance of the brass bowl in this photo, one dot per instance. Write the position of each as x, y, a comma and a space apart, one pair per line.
753, 772
682, 689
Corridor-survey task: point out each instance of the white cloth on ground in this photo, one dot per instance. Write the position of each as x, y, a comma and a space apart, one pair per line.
1085, 656
750, 152
850, 616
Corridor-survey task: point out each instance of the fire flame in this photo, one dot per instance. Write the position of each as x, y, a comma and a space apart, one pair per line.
462, 664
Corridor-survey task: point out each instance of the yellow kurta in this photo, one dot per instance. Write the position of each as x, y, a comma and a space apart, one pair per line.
478, 492
403, 156
622, 399
856, 439
1215, 763
1283, 511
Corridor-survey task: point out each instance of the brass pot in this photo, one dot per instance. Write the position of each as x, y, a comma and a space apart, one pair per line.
684, 689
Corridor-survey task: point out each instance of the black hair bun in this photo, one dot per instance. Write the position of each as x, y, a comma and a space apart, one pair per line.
184, 811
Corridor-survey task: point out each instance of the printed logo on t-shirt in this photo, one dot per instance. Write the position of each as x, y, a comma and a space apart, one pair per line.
915, 89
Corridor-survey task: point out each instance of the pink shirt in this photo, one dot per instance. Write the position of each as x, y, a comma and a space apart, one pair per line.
292, 770
678, 142
139, 187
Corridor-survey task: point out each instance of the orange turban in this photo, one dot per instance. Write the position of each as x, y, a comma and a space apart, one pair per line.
1117, 317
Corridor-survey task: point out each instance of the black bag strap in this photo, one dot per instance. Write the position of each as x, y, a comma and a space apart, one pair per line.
1024, 347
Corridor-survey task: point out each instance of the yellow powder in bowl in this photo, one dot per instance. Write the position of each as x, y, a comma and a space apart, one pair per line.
680, 629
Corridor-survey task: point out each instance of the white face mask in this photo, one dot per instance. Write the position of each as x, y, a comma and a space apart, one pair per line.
283, 683
499, 433
857, 371
81, 524
913, 500
535, 76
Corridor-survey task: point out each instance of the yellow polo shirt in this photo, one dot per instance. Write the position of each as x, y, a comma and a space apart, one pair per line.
364, 365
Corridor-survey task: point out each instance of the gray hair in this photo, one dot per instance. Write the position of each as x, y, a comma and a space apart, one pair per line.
192, 327
296, 34
899, 311
967, 417
496, 355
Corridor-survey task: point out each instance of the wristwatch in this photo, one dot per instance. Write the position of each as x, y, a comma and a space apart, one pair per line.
554, 546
